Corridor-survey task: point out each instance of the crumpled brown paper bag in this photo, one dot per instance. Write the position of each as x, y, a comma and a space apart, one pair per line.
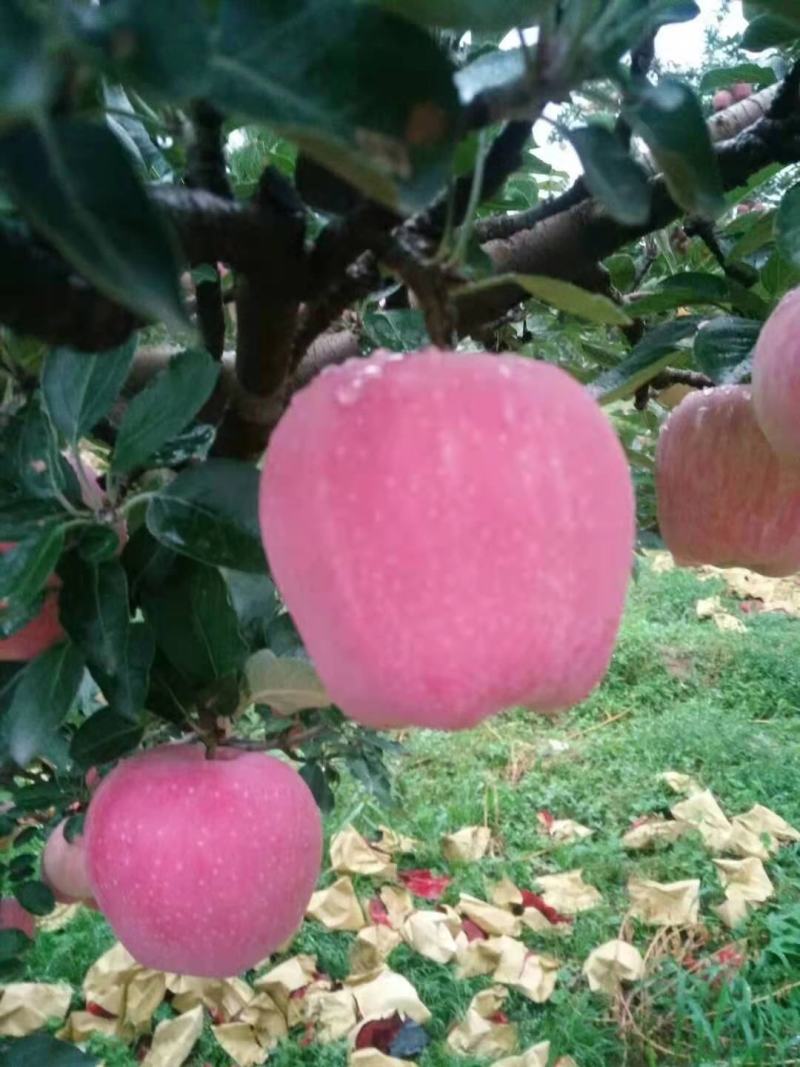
702, 811
28, 1006
567, 830
489, 917
398, 902
373, 1057
431, 934
478, 1034
381, 995
653, 829
286, 979
241, 1043
174, 1039
712, 608
372, 947
609, 965
665, 903
467, 845
762, 821
225, 997
337, 907
332, 1012
746, 879
533, 975
568, 893
680, 783
352, 854
394, 843
733, 911
537, 1056
80, 1026
505, 894
122, 987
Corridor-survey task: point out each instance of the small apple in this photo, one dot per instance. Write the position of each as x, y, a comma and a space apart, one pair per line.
452, 534
722, 100
64, 868
776, 378
741, 91
14, 917
202, 866
41, 633
725, 498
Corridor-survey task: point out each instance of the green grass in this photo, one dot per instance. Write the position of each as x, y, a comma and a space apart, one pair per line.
680, 695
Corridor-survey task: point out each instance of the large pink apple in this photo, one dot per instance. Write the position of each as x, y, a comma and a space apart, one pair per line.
202, 866
724, 497
64, 867
14, 917
452, 534
41, 633
776, 377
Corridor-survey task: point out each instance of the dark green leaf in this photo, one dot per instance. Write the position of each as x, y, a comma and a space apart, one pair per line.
171, 696
12, 942
283, 637
163, 49
27, 836
611, 175
76, 184
333, 76
477, 15
42, 698
14, 617
787, 9
26, 76
723, 349
255, 601
25, 568
99, 543
723, 77
564, 296
645, 360
35, 897
622, 269
194, 443
96, 614
42, 1049
21, 516
787, 226
103, 737
669, 118
687, 287
767, 31
73, 828
196, 626
210, 512
30, 459
313, 774
79, 388
401, 330
147, 563
164, 408
40, 796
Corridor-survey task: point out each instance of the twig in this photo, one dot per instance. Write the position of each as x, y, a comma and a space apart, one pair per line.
501, 227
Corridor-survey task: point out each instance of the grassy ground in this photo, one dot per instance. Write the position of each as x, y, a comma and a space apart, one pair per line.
724, 707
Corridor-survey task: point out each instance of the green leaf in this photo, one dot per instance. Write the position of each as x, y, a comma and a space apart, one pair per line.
255, 601
723, 348
400, 330
35, 897
787, 226
645, 360
686, 287
195, 624
95, 613
787, 9
12, 943
622, 269
285, 685
105, 736
26, 77
40, 1049
164, 408
723, 77
193, 443
478, 15
79, 388
769, 31
210, 512
98, 543
593, 307
333, 76
42, 698
162, 49
25, 568
77, 186
611, 175
21, 516
31, 462
313, 774
669, 118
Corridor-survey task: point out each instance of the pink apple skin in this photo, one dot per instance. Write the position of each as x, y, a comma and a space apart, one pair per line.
203, 867
722, 99
14, 917
452, 534
64, 868
776, 378
724, 497
41, 633
741, 91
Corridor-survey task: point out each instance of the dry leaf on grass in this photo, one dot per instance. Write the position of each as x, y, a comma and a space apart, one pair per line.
680, 783
352, 854
485, 1031
491, 919
395, 844
712, 608
611, 964
652, 829
431, 934
665, 903
372, 947
467, 845
704, 813
746, 879
337, 907
174, 1040
241, 1043
28, 1006
373, 1057
386, 993
568, 893
538, 1056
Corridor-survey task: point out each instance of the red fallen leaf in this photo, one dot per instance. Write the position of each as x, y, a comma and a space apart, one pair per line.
533, 900
425, 884
98, 1011
379, 1033
378, 913
498, 1017
730, 956
472, 930
218, 1018
546, 819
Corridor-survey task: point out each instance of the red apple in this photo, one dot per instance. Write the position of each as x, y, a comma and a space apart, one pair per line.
722, 99
452, 534
41, 633
14, 917
202, 866
724, 497
741, 91
776, 377
64, 868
